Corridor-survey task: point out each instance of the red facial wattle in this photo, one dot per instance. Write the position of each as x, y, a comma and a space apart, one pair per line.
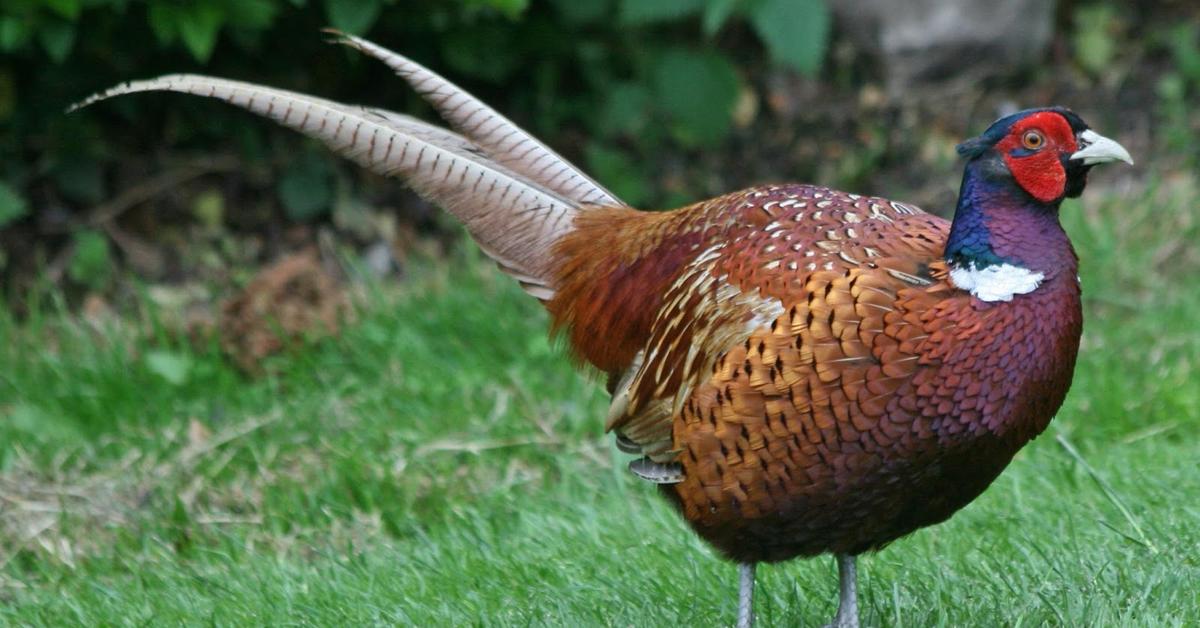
1039, 171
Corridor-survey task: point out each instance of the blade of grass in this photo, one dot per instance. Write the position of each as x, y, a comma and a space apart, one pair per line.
1108, 491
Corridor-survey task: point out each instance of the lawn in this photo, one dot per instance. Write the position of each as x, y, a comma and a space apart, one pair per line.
442, 463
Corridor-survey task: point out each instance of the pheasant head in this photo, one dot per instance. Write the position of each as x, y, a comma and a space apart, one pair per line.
1006, 239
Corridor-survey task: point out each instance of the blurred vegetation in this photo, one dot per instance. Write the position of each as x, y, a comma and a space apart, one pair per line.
648, 66
665, 101
633, 76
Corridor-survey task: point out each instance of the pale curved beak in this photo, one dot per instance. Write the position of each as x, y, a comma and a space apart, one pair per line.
1097, 149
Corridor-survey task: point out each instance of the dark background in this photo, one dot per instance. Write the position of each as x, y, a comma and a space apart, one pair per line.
664, 101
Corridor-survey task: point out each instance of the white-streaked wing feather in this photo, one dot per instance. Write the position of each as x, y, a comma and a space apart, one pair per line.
503, 140
515, 221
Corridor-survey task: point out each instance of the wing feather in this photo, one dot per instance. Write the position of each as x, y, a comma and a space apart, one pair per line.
804, 275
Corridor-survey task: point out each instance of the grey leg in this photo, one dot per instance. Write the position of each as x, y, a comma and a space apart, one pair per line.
745, 595
847, 613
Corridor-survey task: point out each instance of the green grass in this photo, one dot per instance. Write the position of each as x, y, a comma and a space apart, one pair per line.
442, 463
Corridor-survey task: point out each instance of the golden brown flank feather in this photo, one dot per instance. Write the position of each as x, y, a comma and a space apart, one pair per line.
615, 266
681, 288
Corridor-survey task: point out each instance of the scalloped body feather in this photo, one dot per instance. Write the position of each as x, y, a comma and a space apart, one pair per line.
807, 364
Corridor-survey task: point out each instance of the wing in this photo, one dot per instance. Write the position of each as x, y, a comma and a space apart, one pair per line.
819, 288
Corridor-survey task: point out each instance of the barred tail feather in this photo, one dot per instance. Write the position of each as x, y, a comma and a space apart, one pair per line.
515, 219
504, 141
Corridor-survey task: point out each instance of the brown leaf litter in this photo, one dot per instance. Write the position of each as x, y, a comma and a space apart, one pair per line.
297, 298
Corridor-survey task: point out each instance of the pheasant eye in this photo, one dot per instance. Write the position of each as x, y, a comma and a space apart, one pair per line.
1033, 140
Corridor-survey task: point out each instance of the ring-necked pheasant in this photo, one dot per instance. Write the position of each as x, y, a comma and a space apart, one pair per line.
801, 370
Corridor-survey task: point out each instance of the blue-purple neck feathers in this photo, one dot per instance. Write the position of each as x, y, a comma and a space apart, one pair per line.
997, 223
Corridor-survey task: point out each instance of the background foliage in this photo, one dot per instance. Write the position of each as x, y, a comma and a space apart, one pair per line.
665, 101
632, 76
645, 63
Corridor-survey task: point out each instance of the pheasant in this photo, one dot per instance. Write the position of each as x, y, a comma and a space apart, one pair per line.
800, 370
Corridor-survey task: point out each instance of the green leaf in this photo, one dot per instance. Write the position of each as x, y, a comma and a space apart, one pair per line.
91, 265
1171, 87
716, 13
795, 32
625, 110
697, 91
485, 51
1185, 50
617, 172
13, 33
172, 367
57, 39
251, 14
209, 208
583, 11
306, 189
510, 8
647, 11
1094, 44
163, 22
353, 16
199, 28
13, 206
66, 8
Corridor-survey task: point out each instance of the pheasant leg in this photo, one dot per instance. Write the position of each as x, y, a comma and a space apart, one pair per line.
745, 595
847, 613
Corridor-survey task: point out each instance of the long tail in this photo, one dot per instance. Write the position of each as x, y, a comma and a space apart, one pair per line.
516, 196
